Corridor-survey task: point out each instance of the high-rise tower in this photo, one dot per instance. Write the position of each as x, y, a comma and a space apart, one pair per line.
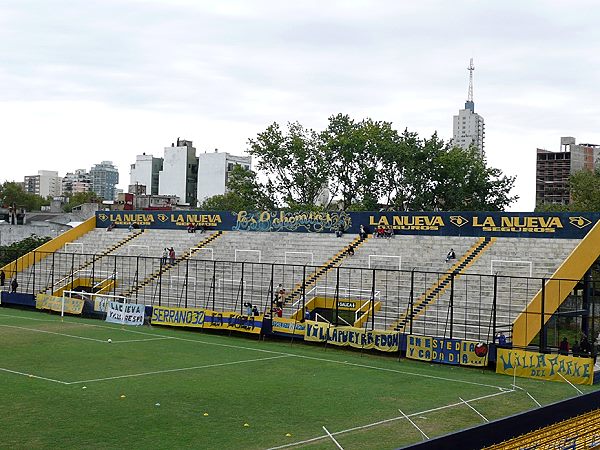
469, 128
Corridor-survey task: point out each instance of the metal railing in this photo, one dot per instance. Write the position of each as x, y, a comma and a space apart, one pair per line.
469, 306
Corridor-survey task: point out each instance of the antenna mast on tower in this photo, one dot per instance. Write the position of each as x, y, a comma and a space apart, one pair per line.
471, 68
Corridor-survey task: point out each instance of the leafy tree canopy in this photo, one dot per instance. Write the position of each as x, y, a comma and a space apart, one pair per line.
585, 194
12, 193
9, 253
368, 165
80, 198
244, 192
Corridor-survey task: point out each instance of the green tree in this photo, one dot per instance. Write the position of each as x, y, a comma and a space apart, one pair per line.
367, 165
244, 192
585, 190
585, 194
358, 150
12, 193
80, 198
9, 253
463, 182
295, 162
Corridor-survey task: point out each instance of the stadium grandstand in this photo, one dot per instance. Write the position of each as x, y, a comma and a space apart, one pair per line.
483, 289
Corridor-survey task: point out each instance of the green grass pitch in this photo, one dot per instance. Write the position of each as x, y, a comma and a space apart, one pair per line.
63, 385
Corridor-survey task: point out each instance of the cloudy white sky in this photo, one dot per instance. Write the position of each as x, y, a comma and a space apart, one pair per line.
85, 81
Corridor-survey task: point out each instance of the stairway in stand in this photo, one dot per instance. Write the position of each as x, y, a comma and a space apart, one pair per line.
166, 267
436, 290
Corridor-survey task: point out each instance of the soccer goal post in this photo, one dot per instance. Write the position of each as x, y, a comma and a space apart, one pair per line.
385, 262
98, 301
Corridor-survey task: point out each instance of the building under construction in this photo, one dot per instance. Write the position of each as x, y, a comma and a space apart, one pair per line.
553, 169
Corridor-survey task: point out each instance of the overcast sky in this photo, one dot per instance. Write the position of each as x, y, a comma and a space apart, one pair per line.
86, 81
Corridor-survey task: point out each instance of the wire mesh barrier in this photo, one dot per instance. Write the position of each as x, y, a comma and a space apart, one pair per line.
444, 304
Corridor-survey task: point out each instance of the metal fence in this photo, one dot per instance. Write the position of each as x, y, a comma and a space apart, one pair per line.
464, 306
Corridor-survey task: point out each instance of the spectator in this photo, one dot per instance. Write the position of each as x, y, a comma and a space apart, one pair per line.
563, 347
585, 346
339, 232
501, 339
576, 349
389, 232
135, 226
165, 255
130, 227
2, 277
110, 227
281, 291
450, 255
350, 251
255, 311
279, 312
172, 256
362, 233
14, 284
202, 229
307, 314
248, 309
191, 228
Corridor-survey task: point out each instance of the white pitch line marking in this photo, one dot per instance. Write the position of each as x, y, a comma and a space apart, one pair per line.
477, 412
333, 439
365, 366
414, 424
393, 419
572, 385
29, 375
54, 332
140, 340
531, 397
157, 372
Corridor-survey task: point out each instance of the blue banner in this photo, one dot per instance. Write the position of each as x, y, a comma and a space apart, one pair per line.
446, 351
476, 224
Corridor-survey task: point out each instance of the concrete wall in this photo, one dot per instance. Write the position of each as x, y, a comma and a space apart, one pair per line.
15, 233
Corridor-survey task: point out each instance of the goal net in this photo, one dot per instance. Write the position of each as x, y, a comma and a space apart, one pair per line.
98, 301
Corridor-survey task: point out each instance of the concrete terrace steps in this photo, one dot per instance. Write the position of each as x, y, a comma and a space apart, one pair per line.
330, 264
461, 265
98, 256
167, 267
276, 248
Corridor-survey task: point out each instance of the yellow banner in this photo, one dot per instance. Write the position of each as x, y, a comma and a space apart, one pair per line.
473, 353
316, 331
545, 366
353, 337
288, 326
177, 317
205, 318
72, 305
419, 347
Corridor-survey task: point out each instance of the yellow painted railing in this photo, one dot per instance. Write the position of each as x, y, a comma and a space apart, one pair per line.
558, 287
49, 247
